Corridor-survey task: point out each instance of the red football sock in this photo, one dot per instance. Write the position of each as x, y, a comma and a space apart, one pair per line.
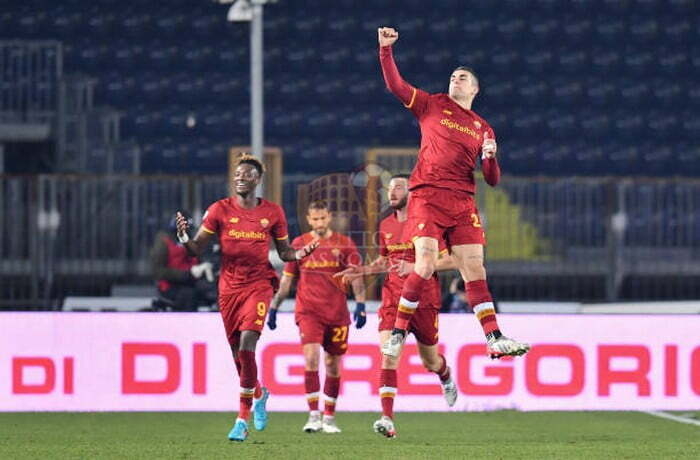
312, 385
330, 391
444, 371
387, 391
408, 303
249, 377
480, 300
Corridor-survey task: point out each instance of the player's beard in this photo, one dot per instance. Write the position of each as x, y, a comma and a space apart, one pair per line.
400, 205
321, 232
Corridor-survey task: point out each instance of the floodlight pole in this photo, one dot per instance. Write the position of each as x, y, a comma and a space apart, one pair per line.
257, 114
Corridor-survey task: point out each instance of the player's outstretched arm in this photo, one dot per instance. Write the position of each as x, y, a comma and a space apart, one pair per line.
195, 246
288, 254
394, 82
282, 293
353, 272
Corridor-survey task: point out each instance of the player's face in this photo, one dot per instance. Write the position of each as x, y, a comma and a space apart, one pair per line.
398, 193
245, 179
463, 85
319, 220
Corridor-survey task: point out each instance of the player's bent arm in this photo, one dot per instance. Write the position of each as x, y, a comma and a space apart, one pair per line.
379, 265
491, 170
358, 288
282, 292
196, 246
288, 254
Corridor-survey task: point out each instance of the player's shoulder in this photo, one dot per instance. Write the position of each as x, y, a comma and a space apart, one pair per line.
270, 207
216, 207
484, 124
301, 239
388, 222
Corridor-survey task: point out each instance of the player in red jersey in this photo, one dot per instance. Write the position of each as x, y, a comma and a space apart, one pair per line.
245, 225
442, 186
397, 257
321, 310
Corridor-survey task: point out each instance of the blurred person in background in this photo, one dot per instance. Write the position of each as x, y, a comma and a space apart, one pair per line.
183, 281
455, 299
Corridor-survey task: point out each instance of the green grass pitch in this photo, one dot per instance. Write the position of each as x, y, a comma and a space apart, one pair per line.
435, 436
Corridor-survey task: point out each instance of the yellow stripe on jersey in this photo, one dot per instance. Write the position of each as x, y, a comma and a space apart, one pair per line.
283, 237
288, 274
413, 99
207, 230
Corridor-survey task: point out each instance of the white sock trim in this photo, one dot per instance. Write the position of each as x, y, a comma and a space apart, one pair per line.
483, 307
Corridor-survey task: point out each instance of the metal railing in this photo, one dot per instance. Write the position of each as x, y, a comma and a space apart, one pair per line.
564, 239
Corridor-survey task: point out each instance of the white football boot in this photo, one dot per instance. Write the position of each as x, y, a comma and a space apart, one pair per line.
313, 425
449, 390
504, 346
329, 426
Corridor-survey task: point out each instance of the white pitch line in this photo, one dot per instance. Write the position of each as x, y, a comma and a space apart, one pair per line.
675, 418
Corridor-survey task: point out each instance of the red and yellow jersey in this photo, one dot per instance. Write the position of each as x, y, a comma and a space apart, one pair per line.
318, 293
451, 139
451, 136
245, 236
396, 248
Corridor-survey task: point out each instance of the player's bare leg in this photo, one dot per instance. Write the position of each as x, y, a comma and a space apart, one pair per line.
470, 260
331, 388
387, 391
435, 362
244, 355
426, 258
312, 353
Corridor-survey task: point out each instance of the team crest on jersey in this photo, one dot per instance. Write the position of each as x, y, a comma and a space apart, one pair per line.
264, 222
447, 112
477, 123
335, 252
388, 235
234, 220
421, 226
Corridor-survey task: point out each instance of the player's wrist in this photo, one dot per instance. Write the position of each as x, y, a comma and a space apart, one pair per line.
183, 237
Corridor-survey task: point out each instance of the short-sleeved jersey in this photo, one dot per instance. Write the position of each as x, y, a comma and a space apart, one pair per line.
397, 248
245, 236
451, 139
318, 293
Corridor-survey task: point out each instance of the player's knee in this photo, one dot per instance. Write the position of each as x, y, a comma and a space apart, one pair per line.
473, 270
424, 268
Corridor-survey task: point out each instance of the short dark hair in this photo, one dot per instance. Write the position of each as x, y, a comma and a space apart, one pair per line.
318, 205
400, 176
470, 70
248, 159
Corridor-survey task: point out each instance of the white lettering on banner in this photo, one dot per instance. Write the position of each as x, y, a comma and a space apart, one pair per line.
150, 362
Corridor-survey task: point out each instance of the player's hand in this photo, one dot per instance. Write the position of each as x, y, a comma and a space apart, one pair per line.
403, 268
182, 227
205, 269
272, 319
488, 147
350, 274
360, 316
387, 36
306, 250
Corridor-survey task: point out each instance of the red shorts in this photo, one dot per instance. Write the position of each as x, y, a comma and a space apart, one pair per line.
423, 325
444, 214
245, 310
333, 337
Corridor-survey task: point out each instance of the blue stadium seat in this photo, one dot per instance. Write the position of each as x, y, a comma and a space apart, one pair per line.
544, 29
572, 61
606, 62
669, 94
634, 93
644, 30
639, 63
567, 92
538, 62
533, 92
595, 124
609, 30
663, 126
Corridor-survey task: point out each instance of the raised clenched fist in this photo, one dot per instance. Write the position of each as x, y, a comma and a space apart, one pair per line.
387, 36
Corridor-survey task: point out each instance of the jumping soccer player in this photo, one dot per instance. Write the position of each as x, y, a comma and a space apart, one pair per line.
442, 204
245, 225
397, 257
321, 311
